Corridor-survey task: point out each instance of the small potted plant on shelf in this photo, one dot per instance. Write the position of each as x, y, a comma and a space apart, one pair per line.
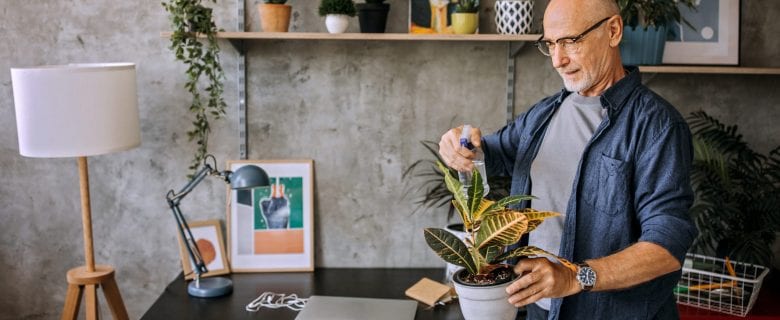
190, 19
372, 16
645, 45
337, 13
737, 205
490, 227
465, 20
274, 15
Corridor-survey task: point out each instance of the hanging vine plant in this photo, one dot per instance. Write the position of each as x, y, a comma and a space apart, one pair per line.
192, 22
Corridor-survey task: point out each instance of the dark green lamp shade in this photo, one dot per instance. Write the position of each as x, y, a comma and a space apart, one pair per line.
247, 177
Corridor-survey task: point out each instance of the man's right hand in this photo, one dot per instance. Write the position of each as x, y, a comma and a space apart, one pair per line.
455, 156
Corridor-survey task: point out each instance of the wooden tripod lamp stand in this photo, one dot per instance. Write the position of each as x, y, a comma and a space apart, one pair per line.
77, 111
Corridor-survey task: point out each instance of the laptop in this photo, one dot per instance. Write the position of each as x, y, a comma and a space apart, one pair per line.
347, 308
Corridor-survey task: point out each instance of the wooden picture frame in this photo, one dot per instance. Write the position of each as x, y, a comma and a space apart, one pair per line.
271, 229
715, 40
208, 236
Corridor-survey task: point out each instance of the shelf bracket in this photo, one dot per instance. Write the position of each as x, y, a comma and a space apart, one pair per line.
513, 48
241, 82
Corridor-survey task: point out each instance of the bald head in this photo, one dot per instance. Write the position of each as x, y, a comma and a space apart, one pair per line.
580, 11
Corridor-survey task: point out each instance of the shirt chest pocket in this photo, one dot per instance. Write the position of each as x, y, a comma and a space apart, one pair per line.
612, 191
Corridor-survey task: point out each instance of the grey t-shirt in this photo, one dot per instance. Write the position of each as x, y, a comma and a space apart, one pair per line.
556, 163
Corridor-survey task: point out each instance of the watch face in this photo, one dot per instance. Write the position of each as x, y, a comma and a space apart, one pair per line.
586, 276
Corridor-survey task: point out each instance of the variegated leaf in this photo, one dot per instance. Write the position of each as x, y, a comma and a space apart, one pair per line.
483, 207
502, 228
505, 202
455, 187
491, 252
467, 223
450, 248
535, 218
475, 193
529, 251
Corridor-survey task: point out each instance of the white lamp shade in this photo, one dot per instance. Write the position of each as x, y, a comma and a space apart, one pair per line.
76, 110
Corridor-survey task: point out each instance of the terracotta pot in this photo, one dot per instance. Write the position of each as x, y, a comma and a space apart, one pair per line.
274, 17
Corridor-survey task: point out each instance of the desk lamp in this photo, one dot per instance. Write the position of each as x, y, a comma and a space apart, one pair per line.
79, 110
246, 177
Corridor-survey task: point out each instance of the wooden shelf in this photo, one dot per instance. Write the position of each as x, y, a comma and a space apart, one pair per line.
370, 36
709, 70
237, 37
375, 36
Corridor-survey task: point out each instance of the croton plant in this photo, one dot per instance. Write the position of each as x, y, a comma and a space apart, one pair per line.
490, 228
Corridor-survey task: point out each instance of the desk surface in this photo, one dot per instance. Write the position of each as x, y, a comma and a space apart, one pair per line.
174, 303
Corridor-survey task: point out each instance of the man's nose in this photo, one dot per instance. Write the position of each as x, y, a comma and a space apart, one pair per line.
559, 57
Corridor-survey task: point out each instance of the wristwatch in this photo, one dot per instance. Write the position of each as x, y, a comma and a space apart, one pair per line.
586, 276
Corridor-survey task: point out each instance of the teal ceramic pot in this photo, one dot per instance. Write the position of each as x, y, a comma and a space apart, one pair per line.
643, 47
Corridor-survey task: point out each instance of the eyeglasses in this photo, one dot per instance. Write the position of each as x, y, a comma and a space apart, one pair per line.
570, 45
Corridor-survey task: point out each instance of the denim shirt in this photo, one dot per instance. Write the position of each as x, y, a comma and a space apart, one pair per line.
632, 184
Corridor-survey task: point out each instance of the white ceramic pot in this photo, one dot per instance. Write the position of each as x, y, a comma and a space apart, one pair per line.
514, 17
484, 302
336, 23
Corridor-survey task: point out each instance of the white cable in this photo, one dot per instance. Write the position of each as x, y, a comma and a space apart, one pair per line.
275, 301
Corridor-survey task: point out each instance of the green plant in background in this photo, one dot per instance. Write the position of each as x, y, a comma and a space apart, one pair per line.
653, 13
490, 227
190, 19
431, 191
275, 1
467, 6
346, 7
737, 206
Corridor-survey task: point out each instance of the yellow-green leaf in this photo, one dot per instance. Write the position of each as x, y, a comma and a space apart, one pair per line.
450, 248
529, 251
535, 218
502, 228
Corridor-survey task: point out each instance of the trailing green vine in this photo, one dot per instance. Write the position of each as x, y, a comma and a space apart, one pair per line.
191, 20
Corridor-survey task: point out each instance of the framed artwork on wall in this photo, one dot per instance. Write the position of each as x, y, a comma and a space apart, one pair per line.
272, 229
430, 16
208, 237
715, 40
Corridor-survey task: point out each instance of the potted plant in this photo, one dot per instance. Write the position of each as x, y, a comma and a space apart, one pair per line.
190, 19
337, 13
645, 45
372, 16
737, 204
274, 15
431, 192
491, 226
465, 20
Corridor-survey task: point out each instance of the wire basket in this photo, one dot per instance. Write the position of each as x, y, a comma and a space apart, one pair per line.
713, 284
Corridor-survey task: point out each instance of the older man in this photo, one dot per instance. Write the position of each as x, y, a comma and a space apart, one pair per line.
610, 155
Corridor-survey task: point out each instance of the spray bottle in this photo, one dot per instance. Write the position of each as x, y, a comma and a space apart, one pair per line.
478, 161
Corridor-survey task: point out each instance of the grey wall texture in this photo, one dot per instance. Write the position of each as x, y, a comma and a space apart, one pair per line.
358, 109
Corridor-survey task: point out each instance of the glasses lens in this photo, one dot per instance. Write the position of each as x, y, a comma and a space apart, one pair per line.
544, 47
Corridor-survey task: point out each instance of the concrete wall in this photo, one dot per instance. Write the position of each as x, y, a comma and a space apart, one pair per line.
358, 109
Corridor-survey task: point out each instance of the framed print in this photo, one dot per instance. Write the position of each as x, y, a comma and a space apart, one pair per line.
715, 40
208, 237
430, 16
271, 228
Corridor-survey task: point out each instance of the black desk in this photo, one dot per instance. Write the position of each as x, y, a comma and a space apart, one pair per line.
174, 303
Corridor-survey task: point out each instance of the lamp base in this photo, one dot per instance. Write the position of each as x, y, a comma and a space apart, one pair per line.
81, 281
210, 287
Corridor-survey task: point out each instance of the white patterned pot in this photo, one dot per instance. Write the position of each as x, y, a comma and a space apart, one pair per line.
336, 23
514, 17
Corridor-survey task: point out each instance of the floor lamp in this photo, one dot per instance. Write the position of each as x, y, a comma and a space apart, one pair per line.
79, 110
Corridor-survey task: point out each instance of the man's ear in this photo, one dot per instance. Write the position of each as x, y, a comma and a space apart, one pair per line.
615, 27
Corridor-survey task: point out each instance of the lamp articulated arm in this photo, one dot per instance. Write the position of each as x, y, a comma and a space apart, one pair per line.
174, 198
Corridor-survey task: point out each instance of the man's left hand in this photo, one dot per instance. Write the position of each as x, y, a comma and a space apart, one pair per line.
541, 278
